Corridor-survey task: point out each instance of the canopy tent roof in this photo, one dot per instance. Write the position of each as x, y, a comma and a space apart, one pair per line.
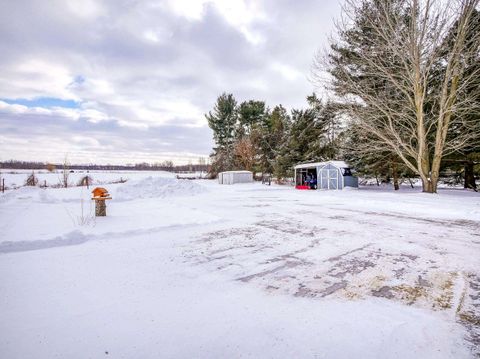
339, 164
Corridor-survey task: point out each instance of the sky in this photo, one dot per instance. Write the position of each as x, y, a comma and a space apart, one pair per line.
126, 81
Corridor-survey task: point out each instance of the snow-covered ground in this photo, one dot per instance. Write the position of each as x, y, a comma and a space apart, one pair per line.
182, 269
15, 178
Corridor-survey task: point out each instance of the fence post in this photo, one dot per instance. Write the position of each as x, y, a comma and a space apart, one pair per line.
3, 185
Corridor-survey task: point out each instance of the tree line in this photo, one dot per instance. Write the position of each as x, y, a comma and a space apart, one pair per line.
404, 80
254, 137
169, 166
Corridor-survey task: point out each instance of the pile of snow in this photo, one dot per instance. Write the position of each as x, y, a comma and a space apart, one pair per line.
27, 193
153, 187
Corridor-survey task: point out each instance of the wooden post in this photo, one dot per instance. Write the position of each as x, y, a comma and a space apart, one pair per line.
100, 208
100, 195
3, 185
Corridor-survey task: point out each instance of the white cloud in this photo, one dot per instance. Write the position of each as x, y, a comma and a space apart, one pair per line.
144, 65
151, 35
83, 141
190, 9
84, 8
242, 15
288, 72
32, 78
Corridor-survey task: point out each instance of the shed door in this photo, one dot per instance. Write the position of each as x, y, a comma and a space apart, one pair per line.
333, 178
329, 177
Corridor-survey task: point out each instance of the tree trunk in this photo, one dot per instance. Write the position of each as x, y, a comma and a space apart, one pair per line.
469, 176
427, 175
423, 168
411, 183
427, 185
435, 173
396, 186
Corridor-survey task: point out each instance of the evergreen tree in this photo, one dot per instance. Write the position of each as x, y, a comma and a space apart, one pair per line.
250, 114
328, 126
382, 165
223, 121
312, 135
268, 135
302, 143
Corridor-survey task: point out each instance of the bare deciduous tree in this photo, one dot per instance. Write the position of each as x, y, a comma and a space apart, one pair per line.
245, 153
65, 172
400, 67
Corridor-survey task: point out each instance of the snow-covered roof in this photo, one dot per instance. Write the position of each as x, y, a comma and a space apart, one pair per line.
236, 172
339, 164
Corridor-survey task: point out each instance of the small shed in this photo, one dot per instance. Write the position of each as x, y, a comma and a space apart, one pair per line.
324, 175
232, 177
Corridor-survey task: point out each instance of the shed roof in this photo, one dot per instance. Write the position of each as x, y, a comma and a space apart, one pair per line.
339, 164
236, 172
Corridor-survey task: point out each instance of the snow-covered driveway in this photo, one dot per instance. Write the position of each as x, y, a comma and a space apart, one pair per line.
241, 271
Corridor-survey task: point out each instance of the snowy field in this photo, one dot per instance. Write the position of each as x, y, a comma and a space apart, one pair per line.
15, 178
193, 269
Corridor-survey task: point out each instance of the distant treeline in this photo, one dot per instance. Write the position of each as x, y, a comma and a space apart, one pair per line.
163, 166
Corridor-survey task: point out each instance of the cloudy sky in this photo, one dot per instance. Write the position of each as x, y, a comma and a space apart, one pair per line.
123, 81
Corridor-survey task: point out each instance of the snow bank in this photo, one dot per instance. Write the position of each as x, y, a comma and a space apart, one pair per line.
31, 194
153, 187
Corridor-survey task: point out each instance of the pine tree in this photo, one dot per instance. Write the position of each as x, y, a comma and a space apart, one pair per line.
250, 114
329, 128
267, 136
312, 135
301, 144
223, 121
